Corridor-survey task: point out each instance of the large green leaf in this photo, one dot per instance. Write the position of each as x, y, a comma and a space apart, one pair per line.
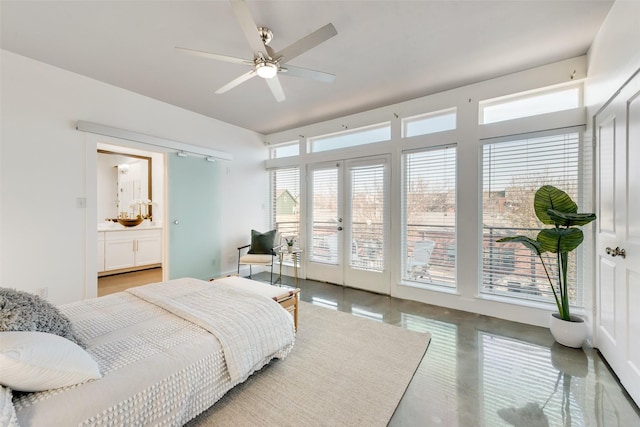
549, 197
566, 219
559, 239
534, 245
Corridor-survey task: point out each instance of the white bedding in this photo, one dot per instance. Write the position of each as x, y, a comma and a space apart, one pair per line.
229, 314
159, 368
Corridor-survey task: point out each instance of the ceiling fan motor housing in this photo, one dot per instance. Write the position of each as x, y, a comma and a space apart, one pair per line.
265, 34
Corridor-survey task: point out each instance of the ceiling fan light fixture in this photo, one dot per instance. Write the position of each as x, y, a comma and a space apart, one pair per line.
266, 70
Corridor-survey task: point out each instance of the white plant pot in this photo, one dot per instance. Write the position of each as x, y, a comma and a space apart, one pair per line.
568, 333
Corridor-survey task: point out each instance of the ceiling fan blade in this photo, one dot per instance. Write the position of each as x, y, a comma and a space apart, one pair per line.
307, 73
248, 26
308, 42
213, 56
276, 88
235, 82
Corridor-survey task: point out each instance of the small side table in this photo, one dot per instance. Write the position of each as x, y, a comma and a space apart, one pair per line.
294, 252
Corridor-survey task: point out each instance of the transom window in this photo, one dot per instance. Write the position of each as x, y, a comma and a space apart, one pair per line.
289, 149
351, 138
424, 124
531, 104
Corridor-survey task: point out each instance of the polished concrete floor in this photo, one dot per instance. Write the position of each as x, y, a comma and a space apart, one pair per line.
483, 371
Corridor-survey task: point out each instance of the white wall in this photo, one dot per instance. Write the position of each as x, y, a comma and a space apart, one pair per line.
614, 55
43, 166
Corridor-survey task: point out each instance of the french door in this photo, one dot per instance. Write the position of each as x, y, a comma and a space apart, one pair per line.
618, 235
349, 223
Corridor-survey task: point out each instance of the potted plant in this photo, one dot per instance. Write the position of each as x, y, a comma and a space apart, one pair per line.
290, 241
554, 207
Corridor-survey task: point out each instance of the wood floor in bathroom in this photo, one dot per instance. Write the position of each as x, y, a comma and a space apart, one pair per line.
119, 282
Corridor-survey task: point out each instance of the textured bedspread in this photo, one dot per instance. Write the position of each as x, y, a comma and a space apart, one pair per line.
159, 368
230, 315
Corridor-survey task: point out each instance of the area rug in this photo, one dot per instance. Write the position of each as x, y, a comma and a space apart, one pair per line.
343, 371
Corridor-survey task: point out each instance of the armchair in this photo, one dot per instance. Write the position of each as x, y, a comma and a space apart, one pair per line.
262, 251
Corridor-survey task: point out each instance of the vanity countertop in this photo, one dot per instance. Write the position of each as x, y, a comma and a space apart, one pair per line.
114, 226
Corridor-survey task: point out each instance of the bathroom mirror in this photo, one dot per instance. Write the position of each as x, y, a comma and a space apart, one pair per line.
124, 185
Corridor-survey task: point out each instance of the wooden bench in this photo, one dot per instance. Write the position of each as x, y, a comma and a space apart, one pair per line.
287, 298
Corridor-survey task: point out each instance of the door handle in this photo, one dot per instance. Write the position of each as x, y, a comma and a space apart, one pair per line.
616, 252
339, 228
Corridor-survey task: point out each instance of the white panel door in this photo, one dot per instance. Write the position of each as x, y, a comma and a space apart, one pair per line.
618, 236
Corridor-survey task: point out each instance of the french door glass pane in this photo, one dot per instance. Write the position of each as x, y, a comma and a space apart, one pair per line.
367, 218
513, 170
325, 215
429, 216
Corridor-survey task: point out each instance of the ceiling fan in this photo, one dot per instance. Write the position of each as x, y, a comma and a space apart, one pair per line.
266, 62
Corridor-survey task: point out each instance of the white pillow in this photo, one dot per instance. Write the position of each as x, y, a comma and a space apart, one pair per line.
36, 361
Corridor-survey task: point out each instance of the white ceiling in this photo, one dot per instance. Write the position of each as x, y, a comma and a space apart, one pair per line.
385, 51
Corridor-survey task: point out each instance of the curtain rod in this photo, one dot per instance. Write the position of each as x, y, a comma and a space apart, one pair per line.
151, 140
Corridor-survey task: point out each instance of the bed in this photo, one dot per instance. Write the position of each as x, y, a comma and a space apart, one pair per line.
165, 352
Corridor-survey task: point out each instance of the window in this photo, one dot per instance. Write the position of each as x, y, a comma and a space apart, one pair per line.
513, 170
517, 106
351, 138
285, 201
423, 124
289, 149
429, 216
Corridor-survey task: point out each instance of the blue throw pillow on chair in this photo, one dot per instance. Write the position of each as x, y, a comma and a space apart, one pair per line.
262, 243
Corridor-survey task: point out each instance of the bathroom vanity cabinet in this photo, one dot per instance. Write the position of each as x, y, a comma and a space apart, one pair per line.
129, 249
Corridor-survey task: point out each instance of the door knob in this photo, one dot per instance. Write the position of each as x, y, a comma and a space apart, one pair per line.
339, 228
616, 252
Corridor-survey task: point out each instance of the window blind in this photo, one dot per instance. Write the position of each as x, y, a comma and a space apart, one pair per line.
285, 201
429, 216
367, 217
513, 170
325, 214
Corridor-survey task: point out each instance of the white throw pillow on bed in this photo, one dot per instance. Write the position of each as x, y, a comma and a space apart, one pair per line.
36, 361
